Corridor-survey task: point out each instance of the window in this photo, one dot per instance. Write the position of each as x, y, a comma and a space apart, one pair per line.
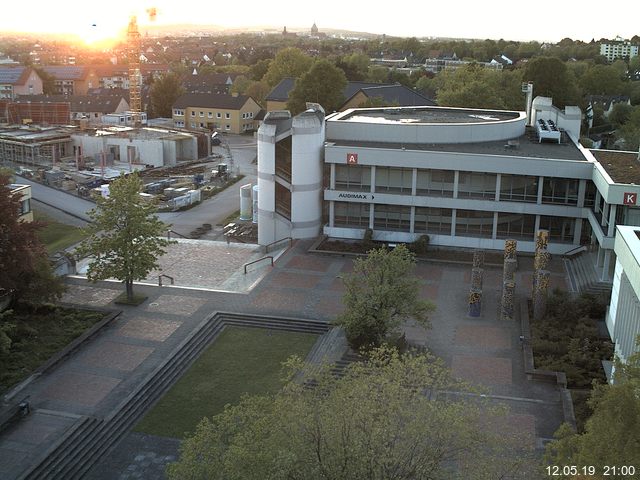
351, 214
227, 115
227, 127
218, 115
283, 158
519, 188
437, 183
283, 201
202, 114
193, 124
477, 185
433, 220
25, 206
562, 191
391, 179
202, 125
244, 115
474, 223
210, 114
250, 114
516, 225
178, 113
353, 177
392, 217
560, 228
193, 113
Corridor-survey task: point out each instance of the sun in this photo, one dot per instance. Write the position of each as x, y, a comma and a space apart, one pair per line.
100, 34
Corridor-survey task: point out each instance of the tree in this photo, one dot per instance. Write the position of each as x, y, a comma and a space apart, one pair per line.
124, 236
381, 293
324, 83
612, 434
26, 273
551, 78
48, 81
375, 423
602, 80
289, 62
355, 66
164, 92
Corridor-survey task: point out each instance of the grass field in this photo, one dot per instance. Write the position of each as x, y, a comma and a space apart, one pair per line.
241, 360
57, 236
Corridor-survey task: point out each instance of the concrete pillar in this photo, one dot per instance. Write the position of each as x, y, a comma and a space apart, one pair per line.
600, 257
332, 178
414, 182
507, 309
606, 266
540, 295
332, 213
612, 220
412, 220
478, 258
577, 232
605, 215
498, 186
373, 180
371, 215
476, 279
475, 303
453, 222
582, 191
540, 185
494, 232
456, 180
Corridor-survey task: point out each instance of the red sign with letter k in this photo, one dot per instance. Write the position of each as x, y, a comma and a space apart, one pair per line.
630, 198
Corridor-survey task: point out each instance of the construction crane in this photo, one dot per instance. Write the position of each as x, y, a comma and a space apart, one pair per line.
134, 46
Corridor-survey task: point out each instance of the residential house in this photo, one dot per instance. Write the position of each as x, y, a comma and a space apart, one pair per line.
225, 113
71, 79
388, 96
607, 102
219, 83
24, 192
16, 81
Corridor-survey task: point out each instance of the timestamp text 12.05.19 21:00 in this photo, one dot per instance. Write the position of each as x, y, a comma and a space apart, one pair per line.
590, 470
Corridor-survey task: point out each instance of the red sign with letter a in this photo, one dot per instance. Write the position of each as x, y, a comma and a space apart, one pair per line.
352, 158
630, 198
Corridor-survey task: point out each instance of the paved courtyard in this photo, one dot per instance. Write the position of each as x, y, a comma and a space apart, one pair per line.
94, 380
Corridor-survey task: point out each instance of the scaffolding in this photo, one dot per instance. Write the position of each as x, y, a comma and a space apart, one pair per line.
134, 45
41, 113
35, 148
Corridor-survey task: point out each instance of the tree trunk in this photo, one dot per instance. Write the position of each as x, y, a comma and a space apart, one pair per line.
129, 285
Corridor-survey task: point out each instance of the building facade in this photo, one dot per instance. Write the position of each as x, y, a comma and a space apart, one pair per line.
465, 177
619, 48
24, 193
225, 113
623, 315
15, 81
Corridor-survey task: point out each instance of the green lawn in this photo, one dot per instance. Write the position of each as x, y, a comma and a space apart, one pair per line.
37, 335
57, 236
241, 360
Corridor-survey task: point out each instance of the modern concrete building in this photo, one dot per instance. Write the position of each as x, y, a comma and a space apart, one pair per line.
465, 177
623, 315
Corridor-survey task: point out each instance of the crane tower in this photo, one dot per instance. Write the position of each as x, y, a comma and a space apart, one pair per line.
134, 45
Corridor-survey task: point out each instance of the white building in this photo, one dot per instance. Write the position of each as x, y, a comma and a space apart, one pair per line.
619, 48
623, 316
465, 177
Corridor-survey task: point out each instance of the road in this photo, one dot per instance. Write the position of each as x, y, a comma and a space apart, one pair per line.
213, 210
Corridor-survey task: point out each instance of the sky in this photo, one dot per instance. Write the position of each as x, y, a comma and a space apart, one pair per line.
511, 20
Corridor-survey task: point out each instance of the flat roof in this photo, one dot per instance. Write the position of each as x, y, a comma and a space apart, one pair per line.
425, 115
523, 146
622, 167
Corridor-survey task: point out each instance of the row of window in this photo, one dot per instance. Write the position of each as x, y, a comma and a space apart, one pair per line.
180, 113
468, 223
440, 183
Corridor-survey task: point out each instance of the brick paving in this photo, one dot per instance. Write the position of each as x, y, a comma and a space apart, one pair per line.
95, 379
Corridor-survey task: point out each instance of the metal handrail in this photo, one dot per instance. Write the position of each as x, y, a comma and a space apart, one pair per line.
163, 275
256, 261
266, 247
573, 250
169, 232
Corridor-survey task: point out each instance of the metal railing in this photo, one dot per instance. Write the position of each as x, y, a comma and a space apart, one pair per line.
256, 261
171, 279
579, 248
169, 232
266, 247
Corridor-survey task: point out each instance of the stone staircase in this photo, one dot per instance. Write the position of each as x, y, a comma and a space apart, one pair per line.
90, 438
583, 276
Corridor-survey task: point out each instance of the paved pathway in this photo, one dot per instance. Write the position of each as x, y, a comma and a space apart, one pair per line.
95, 379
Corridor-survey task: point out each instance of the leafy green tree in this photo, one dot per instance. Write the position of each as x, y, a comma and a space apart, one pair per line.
258, 91
324, 83
620, 114
259, 69
26, 273
602, 80
378, 74
630, 131
380, 294
48, 81
355, 66
375, 423
551, 78
164, 92
124, 237
612, 434
289, 62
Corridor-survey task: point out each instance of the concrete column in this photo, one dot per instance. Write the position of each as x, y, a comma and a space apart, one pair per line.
371, 215
577, 233
414, 182
606, 265
332, 178
582, 191
475, 303
332, 212
453, 222
494, 232
536, 226
540, 184
412, 218
507, 305
456, 179
612, 220
498, 186
476, 278
540, 296
596, 202
478, 258
600, 257
605, 215
373, 179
